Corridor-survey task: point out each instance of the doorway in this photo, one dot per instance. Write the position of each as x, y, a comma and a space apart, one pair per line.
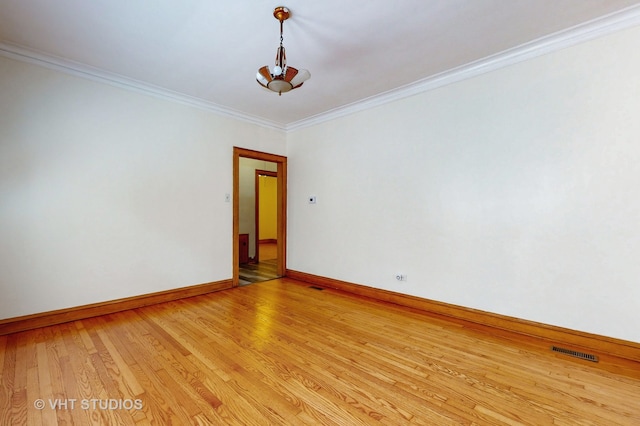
255, 264
266, 215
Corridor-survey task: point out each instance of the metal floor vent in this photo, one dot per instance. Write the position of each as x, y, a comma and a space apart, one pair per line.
576, 354
316, 288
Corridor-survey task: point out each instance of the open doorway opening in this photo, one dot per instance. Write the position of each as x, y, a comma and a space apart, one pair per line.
259, 219
266, 215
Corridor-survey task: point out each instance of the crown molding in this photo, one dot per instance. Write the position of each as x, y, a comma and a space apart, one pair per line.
607, 24
112, 79
590, 30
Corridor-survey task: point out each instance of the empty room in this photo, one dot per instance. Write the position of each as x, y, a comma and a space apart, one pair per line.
424, 212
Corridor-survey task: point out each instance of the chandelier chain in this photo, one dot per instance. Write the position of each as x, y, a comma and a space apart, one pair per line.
281, 38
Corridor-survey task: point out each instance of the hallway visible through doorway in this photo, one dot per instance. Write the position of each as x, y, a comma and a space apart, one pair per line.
266, 269
268, 251
249, 169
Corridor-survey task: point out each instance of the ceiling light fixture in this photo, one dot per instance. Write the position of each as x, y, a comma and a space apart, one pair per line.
281, 78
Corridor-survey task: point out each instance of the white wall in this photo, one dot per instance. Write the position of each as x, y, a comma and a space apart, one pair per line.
107, 193
515, 192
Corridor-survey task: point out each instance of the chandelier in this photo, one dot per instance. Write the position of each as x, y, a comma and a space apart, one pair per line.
281, 78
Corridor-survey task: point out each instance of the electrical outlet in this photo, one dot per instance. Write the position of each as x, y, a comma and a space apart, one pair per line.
401, 277
227, 198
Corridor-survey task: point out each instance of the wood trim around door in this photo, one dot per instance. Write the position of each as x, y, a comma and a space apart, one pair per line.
281, 162
259, 173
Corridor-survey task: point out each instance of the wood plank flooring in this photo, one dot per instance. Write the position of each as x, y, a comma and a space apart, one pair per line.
264, 270
283, 353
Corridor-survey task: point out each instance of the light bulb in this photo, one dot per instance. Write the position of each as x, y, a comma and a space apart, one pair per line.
277, 70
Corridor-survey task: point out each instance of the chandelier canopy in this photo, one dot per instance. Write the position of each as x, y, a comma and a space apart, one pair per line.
281, 78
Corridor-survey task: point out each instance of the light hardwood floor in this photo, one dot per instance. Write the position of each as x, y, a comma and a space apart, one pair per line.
283, 353
265, 270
